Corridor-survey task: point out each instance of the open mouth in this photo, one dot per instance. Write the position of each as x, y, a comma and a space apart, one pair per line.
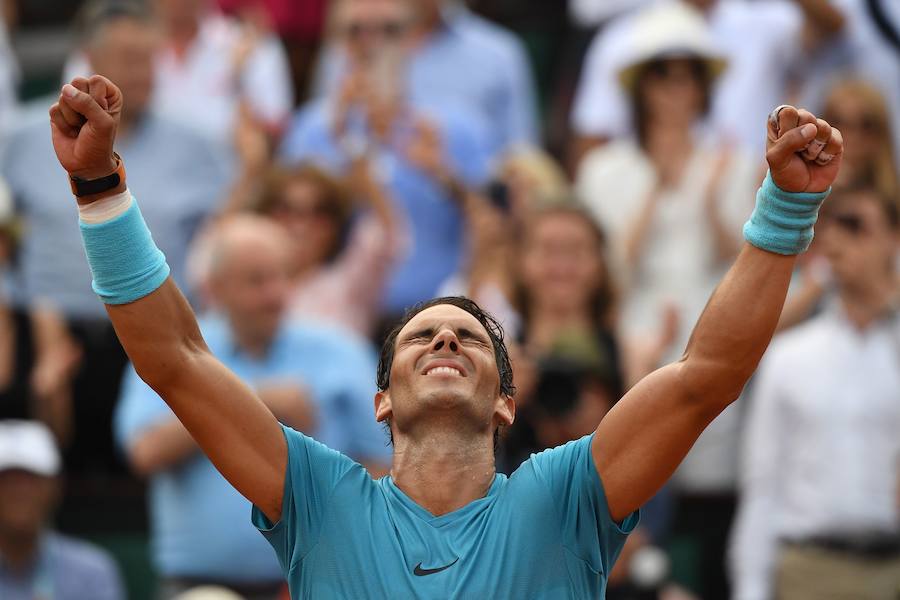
443, 370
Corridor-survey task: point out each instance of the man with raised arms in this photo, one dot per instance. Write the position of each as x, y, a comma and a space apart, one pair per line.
443, 524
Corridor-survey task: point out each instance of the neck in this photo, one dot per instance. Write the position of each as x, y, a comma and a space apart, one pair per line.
443, 470
866, 303
18, 551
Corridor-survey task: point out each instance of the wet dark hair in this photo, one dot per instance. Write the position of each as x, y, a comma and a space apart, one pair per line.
491, 325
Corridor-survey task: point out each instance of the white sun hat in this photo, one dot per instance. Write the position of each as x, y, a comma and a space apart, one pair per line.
669, 30
29, 446
208, 592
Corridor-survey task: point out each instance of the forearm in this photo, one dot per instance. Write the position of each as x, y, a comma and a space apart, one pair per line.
161, 447
736, 326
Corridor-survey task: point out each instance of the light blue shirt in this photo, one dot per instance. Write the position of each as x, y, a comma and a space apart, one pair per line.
177, 176
198, 521
474, 63
65, 569
433, 239
543, 533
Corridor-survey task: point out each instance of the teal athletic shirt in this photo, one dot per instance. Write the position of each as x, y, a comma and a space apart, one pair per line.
544, 532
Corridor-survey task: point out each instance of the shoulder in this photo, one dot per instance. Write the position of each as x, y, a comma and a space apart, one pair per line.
326, 340
489, 36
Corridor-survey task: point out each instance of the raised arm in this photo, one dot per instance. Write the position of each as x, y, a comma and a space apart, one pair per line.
639, 444
152, 319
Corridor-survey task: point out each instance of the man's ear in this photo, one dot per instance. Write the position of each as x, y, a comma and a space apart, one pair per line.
383, 409
506, 410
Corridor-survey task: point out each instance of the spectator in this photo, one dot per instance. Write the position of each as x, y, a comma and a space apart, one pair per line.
819, 514
38, 357
673, 204
36, 562
565, 289
858, 109
165, 160
9, 68
342, 230
458, 57
209, 64
424, 156
760, 41
299, 25
311, 377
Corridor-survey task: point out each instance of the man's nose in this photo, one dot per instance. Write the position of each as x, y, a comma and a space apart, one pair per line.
446, 339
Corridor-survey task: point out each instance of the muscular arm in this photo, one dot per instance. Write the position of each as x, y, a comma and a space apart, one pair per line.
639, 444
230, 423
159, 331
647, 434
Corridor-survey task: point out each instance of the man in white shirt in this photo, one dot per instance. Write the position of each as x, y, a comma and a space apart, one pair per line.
210, 64
819, 514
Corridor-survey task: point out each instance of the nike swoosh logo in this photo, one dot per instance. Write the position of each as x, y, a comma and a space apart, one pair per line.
420, 571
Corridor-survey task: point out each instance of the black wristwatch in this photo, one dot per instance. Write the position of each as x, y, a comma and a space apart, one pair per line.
89, 187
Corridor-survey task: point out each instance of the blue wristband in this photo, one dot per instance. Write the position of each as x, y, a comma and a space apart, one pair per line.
125, 263
782, 222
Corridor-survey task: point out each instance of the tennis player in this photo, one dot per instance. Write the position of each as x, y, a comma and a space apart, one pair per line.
443, 524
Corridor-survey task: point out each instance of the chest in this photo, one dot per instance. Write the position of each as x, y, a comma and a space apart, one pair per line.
494, 552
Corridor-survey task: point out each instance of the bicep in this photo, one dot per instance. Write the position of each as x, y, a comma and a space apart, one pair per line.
644, 438
231, 425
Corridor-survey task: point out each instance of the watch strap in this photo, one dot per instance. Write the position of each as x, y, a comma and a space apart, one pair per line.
89, 187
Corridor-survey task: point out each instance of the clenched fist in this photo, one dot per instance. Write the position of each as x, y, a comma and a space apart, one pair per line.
804, 153
83, 124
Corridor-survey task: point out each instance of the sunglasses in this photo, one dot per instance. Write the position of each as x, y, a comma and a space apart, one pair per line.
318, 210
670, 69
386, 29
849, 222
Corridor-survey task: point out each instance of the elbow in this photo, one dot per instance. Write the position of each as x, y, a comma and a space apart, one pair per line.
712, 384
167, 366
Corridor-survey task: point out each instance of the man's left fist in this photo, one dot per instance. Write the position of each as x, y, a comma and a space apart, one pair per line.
804, 153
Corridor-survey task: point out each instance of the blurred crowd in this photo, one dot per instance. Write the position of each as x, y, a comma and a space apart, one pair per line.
582, 170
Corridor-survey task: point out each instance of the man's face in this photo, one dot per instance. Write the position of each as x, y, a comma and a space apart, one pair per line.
252, 283
444, 365
858, 241
123, 51
368, 28
26, 500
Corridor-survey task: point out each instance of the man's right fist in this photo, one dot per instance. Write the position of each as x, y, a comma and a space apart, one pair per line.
83, 123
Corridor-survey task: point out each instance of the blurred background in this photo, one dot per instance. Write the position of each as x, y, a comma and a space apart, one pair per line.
582, 169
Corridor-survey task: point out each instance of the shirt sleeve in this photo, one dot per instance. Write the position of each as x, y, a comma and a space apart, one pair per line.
268, 81
588, 529
313, 472
754, 539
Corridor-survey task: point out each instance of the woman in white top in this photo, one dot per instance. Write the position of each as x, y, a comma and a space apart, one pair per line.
672, 204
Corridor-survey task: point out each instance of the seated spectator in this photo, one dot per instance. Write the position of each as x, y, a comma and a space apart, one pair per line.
37, 355
313, 378
673, 204
36, 562
424, 156
819, 514
165, 160
456, 56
